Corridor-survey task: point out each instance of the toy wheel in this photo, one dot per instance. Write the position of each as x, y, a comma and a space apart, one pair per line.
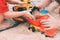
32, 29
42, 32
29, 28
46, 36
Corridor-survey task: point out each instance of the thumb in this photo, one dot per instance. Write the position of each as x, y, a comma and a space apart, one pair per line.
48, 28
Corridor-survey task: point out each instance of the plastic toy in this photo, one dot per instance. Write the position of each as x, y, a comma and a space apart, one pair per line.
36, 23
26, 6
22, 7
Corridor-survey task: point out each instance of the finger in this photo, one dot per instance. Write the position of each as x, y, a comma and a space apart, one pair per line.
51, 16
46, 25
31, 16
44, 21
47, 28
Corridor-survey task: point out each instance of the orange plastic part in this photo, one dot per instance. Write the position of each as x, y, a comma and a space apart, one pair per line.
50, 32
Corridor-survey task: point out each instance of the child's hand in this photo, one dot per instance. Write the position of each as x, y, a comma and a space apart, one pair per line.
51, 23
27, 14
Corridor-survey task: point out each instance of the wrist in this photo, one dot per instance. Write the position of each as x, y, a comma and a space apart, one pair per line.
52, 6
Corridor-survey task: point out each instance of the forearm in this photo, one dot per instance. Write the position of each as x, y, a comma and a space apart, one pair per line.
14, 1
12, 14
45, 3
52, 6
